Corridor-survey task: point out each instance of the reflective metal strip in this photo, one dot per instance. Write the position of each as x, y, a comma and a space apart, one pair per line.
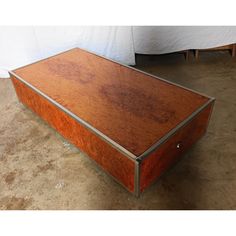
137, 179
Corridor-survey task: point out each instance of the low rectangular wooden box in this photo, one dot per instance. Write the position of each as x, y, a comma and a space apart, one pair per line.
134, 125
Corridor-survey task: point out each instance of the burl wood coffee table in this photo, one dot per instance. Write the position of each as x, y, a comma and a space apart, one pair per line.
134, 125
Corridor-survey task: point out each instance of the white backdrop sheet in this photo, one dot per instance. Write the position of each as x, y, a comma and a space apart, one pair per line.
20, 46
168, 39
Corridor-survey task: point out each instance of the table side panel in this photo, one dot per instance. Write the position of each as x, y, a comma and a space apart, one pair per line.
111, 160
168, 153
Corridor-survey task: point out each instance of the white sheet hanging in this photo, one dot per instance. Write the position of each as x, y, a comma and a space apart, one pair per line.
167, 39
20, 46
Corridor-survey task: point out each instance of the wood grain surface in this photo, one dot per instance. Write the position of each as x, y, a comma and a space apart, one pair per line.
132, 108
168, 153
104, 154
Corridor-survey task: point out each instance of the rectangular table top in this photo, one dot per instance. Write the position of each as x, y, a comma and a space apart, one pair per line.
129, 107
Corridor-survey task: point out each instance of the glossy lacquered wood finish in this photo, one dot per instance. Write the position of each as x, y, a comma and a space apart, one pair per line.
111, 160
130, 107
135, 126
170, 151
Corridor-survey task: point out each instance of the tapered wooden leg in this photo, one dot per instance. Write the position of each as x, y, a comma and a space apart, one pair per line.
196, 54
186, 55
233, 52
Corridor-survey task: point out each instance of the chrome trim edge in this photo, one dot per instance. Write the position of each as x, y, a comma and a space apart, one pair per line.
173, 131
209, 118
137, 179
117, 146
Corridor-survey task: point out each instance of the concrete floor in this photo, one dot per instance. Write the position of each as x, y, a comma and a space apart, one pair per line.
40, 170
